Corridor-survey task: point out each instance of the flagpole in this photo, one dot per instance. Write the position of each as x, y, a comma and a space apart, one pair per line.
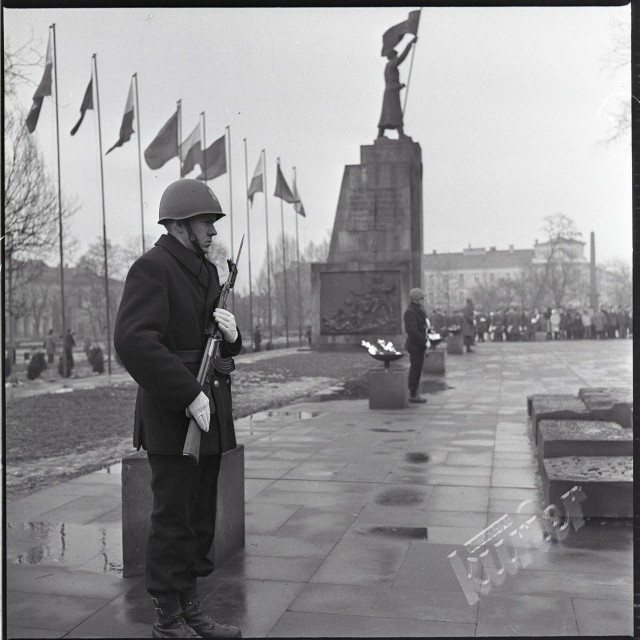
104, 217
204, 148
266, 217
413, 53
228, 128
295, 193
179, 107
135, 82
284, 270
246, 180
62, 304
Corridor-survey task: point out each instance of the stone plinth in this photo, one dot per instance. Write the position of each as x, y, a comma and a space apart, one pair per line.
137, 503
389, 388
609, 403
455, 345
434, 362
558, 438
607, 482
375, 255
555, 407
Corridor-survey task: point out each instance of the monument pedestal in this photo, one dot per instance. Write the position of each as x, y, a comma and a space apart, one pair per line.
455, 345
137, 503
375, 255
434, 362
389, 388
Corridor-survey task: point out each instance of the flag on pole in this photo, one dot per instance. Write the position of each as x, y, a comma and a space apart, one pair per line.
392, 36
214, 160
126, 128
44, 89
190, 152
282, 190
298, 206
257, 182
87, 103
164, 146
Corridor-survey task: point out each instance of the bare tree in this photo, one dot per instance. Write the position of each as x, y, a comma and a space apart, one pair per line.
619, 283
616, 59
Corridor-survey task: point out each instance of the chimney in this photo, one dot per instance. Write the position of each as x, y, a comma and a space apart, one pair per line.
510, 248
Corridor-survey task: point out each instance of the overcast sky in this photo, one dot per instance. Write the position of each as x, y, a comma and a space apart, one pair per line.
510, 106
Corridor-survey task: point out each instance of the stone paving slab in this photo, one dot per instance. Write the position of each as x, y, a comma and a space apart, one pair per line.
413, 484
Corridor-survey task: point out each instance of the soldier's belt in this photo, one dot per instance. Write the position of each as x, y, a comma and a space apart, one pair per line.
223, 366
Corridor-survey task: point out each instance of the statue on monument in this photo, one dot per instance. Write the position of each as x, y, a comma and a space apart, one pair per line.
391, 117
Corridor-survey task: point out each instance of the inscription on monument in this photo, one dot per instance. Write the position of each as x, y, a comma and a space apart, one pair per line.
360, 302
375, 209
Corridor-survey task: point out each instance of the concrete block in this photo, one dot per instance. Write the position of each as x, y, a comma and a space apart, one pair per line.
558, 438
389, 388
607, 482
555, 407
137, 503
455, 345
609, 403
434, 363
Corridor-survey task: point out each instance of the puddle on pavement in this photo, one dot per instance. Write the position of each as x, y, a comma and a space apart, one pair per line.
399, 533
86, 547
399, 496
416, 456
262, 416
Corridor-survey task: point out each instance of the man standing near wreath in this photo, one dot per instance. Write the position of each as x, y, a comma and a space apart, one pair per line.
170, 296
415, 325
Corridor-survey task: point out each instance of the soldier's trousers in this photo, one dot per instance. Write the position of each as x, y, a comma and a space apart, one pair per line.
182, 521
416, 360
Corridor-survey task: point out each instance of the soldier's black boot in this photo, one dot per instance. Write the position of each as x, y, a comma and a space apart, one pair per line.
169, 622
204, 625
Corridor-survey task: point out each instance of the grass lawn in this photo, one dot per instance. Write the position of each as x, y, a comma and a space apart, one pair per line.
91, 422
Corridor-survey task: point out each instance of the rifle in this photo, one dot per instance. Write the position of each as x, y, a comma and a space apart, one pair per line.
191, 447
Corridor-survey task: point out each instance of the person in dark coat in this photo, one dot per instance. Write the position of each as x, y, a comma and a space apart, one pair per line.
468, 332
170, 296
415, 325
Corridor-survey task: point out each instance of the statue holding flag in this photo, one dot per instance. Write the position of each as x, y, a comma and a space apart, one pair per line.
392, 112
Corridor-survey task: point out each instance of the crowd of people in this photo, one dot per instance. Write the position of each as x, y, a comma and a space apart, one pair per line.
516, 324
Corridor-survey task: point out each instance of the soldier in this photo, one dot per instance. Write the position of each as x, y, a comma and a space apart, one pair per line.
415, 324
168, 299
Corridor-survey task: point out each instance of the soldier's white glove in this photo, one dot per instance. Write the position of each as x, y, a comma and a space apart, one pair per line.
227, 323
200, 411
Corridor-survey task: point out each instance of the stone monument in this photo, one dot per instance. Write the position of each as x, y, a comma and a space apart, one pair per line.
375, 255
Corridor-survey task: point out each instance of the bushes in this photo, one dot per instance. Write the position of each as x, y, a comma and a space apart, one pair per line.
37, 365
96, 359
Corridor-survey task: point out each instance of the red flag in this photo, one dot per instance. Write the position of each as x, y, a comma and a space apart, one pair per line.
282, 188
298, 203
191, 152
126, 128
44, 89
392, 36
164, 146
257, 182
87, 103
214, 160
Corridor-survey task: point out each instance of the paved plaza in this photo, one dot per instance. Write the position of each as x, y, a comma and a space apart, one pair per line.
351, 515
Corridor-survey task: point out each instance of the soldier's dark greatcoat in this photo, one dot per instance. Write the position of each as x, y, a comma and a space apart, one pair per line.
168, 298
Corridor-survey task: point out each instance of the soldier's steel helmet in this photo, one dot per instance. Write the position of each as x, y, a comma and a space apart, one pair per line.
186, 198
